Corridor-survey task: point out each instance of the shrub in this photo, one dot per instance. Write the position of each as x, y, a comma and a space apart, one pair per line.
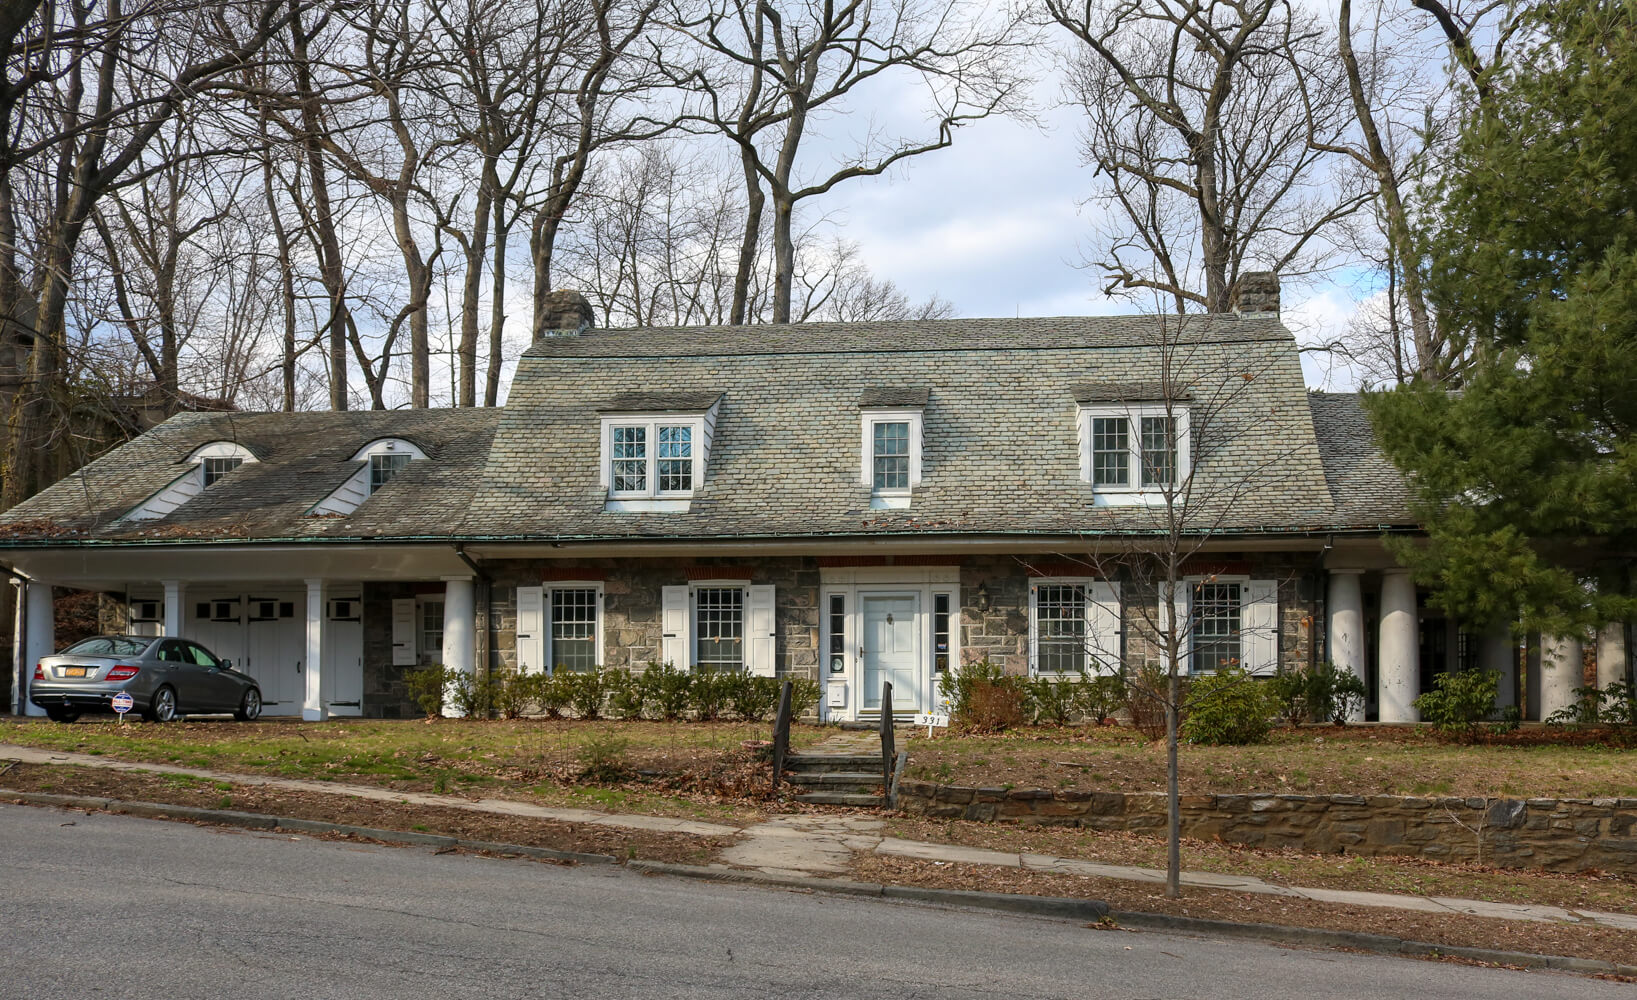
1460, 701
425, 687
710, 692
472, 695
754, 699
1101, 698
587, 690
516, 694
602, 757
983, 697
804, 696
1613, 705
1145, 694
553, 692
1227, 708
667, 690
1052, 699
1321, 693
627, 695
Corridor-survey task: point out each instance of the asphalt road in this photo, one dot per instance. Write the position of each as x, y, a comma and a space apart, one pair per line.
112, 906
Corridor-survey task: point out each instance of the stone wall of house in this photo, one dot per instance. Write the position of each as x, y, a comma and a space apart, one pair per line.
1549, 834
385, 694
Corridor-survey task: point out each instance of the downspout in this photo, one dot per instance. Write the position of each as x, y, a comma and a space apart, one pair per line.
1313, 605
480, 605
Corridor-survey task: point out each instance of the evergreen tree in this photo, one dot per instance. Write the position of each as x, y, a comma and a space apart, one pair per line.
1526, 473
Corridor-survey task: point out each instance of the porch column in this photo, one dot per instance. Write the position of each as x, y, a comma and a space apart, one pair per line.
175, 594
1611, 654
1345, 632
312, 697
459, 648
1497, 651
39, 633
1562, 669
1399, 649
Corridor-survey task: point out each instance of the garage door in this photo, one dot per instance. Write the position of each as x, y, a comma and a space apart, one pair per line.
264, 633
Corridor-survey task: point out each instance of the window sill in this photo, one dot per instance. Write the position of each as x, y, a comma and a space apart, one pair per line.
890, 501
648, 506
1104, 497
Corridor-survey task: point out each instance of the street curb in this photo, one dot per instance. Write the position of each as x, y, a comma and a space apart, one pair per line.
290, 824
1095, 911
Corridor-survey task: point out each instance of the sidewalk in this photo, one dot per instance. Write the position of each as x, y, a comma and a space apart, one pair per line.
824, 844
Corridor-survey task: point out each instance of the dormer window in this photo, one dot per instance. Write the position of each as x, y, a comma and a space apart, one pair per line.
384, 467
207, 465
379, 461
654, 449
216, 468
1133, 450
890, 444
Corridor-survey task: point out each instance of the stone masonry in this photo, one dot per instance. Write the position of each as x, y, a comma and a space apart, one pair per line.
1549, 834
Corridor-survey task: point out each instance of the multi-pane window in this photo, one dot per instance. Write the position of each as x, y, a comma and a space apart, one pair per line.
1060, 628
1110, 451
574, 628
675, 459
891, 455
1214, 626
719, 628
630, 459
838, 633
1159, 451
383, 467
940, 633
432, 629
216, 468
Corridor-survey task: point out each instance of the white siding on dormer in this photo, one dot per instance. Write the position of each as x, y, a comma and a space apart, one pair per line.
179, 491
347, 496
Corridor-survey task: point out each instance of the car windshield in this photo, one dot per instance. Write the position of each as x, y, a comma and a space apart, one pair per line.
109, 645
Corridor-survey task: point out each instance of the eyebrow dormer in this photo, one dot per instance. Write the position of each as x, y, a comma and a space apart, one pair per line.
382, 459
206, 465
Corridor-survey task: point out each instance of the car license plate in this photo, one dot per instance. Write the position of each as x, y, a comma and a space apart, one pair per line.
74, 671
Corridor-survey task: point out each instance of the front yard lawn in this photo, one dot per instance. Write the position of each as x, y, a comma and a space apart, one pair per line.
1533, 762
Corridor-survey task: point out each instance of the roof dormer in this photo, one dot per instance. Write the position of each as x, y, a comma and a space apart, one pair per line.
206, 465
382, 459
654, 447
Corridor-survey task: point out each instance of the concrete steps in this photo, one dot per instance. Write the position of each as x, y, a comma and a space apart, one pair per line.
844, 770
856, 800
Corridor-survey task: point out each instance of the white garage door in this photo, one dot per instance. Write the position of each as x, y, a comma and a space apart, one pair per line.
264, 633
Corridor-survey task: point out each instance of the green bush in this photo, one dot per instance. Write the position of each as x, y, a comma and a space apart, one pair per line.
602, 758
1054, 700
627, 696
666, 690
1227, 708
471, 695
1615, 705
516, 694
1460, 701
754, 699
983, 697
710, 692
804, 696
1101, 698
425, 688
1144, 694
587, 691
553, 692
1322, 693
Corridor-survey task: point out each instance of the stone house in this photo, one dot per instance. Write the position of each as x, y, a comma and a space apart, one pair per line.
848, 502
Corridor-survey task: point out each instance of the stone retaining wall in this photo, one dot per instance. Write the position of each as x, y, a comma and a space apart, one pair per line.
1551, 834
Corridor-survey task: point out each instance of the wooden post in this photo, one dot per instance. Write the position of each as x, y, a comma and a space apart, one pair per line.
887, 750
781, 736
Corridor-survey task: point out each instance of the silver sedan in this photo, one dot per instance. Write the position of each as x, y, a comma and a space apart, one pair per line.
165, 677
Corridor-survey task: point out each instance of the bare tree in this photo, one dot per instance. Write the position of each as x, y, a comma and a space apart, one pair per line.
1206, 123
769, 74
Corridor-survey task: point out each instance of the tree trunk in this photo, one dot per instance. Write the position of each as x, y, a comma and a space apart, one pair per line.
754, 200
1173, 802
497, 308
471, 290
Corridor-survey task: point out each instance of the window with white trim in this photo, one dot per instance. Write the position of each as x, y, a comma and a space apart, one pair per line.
1134, 448
384, 466
719, 628
890, 448
1074, 626
431, 629
573, 631
652, 456
1230, 622
1214, 626
216, 468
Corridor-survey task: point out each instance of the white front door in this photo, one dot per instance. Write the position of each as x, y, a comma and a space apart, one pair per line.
275, 644
890, 649
342, 681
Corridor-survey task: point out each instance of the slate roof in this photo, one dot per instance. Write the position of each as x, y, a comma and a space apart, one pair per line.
1000, 455
1366, 487
302, 458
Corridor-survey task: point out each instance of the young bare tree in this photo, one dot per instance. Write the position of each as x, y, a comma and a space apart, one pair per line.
768, 75
1206, 124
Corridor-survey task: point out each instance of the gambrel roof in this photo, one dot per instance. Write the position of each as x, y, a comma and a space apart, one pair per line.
999, 399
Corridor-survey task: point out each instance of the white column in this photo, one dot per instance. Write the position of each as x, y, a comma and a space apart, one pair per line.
175, 594
312, 697
1345, 632
1399, 648
1498, 651
1562, 669
459, 646
1611, 654
40, 632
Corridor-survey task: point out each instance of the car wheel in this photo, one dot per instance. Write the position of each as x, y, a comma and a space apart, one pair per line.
163, 707
61, 715
250, 708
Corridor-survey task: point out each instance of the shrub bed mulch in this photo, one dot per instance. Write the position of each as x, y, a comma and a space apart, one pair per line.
446, 820
1603, 943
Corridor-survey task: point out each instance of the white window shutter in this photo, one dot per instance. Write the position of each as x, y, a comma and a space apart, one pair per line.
403, 631
531, 630
674, 646
759, 631
1034, 629
1103, 626
1259, 627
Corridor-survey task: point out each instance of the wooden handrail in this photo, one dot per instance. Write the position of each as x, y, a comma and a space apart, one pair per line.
781, 736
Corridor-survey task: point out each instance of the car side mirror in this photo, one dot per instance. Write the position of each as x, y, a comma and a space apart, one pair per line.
226, 664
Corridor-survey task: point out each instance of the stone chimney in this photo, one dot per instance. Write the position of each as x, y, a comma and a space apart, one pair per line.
1255, 295
565, 313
